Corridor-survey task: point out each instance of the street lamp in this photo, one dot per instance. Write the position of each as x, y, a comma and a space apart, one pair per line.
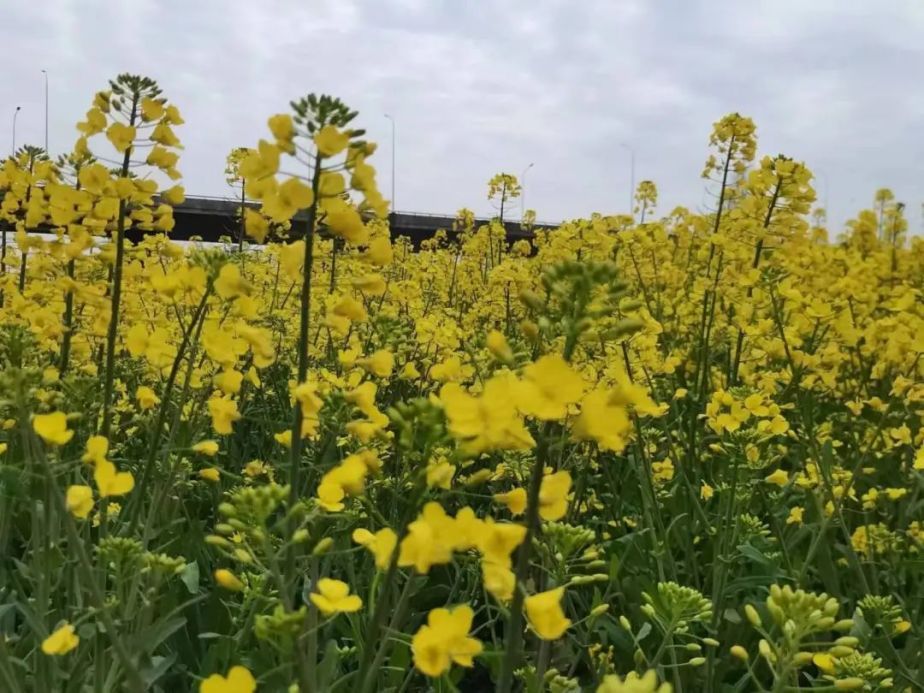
45, 72
631, 177
393, 206
15, 115
824, 180
523, 190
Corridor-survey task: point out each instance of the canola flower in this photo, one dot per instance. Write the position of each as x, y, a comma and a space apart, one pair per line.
676, 451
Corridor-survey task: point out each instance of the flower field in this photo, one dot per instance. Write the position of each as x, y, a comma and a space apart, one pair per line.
673, 451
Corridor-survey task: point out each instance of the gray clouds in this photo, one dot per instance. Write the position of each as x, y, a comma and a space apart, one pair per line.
478, 87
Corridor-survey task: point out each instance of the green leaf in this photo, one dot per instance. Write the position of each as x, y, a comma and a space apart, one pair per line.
190, 577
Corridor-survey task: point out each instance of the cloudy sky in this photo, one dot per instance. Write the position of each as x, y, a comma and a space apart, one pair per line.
481, 86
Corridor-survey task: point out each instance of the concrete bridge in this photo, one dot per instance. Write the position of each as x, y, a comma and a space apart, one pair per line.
209, 218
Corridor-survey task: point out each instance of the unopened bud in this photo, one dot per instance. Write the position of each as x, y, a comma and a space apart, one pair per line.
752, 615
624, 622
739, 652
300, 536
843, 625
479, 477
323, 546
599, 610
648, 610
693, 647
764, 648
802, 658
712, 642
697, 661
852, 684
227, 509
847, 641
841, 651
215, 540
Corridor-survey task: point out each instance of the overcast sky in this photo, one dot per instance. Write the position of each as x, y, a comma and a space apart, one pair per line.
476, 87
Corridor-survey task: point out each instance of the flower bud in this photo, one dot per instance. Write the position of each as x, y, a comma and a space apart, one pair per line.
624, 622
841, 651
215, 540
712, 642
843, 625
800, 659
764, 648
227, 509
693, 647
599, 610
479, 477
847, 641
648, 610
752, 615
739, 652
300, 536
852, 684
228, 580
530, 330
697, 661
323, 546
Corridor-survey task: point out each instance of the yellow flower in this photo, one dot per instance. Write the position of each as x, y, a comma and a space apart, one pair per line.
706, 491
283, 129
779, 478
62, 641
151, 109
545, 614
330, 495
440, 473
553, 495
290, 197
824, 662
795, 516
79, 501
919, 459
603, 422
486, 423
52, 428
549, 385
333, 597
224, 413
228, 580
206, 447
121, 136
210, 474
331, 141
110, 482
497, 345
515, 500
499, 580
633, 683
97, 447
379, 253
497, 540
444, 639
382, 544
428, 541
379, 363
146, 398
3, 448
343, 219
239, 680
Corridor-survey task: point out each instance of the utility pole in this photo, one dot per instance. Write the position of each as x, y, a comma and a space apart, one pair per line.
523, 191
631, 178
45, 72
393, 206
15, 115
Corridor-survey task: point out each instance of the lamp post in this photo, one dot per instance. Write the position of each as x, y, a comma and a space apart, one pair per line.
45, 72
393, 206
631, 177
523, 190
15, 115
